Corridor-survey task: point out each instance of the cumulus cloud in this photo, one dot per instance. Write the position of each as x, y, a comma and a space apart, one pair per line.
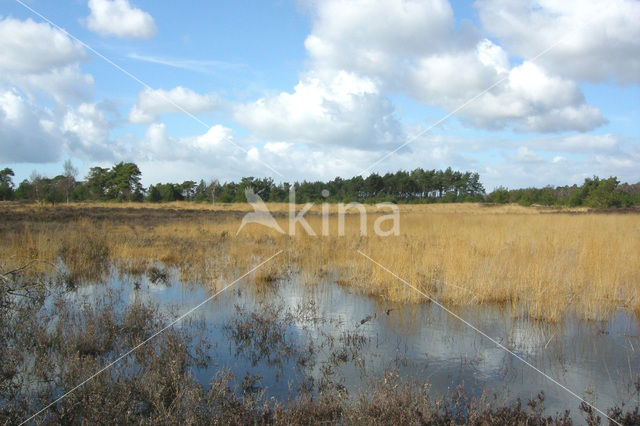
30, 47
38, 58
66, 85
28, 133
359, 51
213, 154
34, 134
153, 103
598, 40
156, 136
36, 61
527, 98
334, 109
86, 132
118, 18
370, 36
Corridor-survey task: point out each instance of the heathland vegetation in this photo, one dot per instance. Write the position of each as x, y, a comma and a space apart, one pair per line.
61, 365
122, 182
544, 262
541, 264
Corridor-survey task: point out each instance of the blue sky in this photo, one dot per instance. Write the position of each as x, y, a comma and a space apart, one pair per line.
312, 90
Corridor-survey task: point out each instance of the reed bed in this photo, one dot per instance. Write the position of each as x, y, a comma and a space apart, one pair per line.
545, 263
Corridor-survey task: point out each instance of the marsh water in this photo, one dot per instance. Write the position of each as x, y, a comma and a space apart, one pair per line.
287, 335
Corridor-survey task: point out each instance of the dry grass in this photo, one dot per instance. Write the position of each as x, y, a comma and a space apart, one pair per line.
471, 208
544, 265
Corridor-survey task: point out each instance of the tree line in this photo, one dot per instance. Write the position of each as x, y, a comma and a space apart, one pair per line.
122, 182
594, 192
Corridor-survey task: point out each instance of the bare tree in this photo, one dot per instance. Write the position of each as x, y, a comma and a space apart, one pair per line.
213, 185
36, 181
70, 173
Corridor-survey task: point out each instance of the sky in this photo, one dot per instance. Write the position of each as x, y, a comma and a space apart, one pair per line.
526, 93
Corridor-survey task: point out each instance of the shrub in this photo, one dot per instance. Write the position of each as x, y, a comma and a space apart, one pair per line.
87, 257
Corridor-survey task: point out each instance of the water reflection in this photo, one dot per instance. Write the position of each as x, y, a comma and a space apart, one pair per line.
330, 335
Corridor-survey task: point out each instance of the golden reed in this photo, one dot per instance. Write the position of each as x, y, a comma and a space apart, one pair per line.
543, 262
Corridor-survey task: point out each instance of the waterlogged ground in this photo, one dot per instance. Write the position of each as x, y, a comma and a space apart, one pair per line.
284, 336
328, 352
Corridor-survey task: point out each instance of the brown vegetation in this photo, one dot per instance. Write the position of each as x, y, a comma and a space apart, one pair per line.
543, 265
47, 351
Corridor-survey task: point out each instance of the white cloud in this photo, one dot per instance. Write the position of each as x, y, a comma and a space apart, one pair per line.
120, 19
571, 159
27, 133
583, 143
216, 143
30, 47
623, 164
527, 99
567, 159
492, 56
449, 78
323, 162
65, 85
580, 144
86, 132
212, 155
526, 155
152, 103
39, 63
370, 36
156, 136
415, 48
329, 108
598, 39
560, 170
33, 134
215, 137
38, 58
